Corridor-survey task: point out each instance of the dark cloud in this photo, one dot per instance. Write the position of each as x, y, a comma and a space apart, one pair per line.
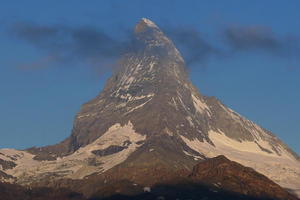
260, 38
194, 47
66, 44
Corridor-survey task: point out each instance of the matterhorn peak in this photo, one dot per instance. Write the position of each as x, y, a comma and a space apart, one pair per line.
152, 39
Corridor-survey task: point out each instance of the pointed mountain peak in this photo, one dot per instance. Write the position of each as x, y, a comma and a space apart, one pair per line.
149, 22
151, 37
145, 24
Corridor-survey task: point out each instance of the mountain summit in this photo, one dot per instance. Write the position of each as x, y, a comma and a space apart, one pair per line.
150, 116
145, 24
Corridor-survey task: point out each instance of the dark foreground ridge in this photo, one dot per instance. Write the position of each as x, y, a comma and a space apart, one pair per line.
216, 178
16, 192
161, 192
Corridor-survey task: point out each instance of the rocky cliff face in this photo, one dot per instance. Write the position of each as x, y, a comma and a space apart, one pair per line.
150, 114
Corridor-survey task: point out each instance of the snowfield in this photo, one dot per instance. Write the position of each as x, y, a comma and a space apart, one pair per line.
77, 165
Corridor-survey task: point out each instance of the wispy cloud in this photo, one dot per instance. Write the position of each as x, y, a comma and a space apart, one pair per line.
260, 38
66, 44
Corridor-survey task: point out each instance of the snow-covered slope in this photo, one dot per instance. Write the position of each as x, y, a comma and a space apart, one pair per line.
116, 145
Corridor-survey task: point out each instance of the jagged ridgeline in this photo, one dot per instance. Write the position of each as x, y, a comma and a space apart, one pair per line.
150, 115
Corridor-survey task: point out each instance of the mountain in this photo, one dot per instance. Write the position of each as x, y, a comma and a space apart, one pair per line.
149, 122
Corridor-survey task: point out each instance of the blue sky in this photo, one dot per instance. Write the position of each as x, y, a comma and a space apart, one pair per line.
256, 74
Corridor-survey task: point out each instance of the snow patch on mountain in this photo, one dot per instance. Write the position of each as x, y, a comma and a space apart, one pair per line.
139, 106
200, 106
22, 159
248, 146
116, 135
